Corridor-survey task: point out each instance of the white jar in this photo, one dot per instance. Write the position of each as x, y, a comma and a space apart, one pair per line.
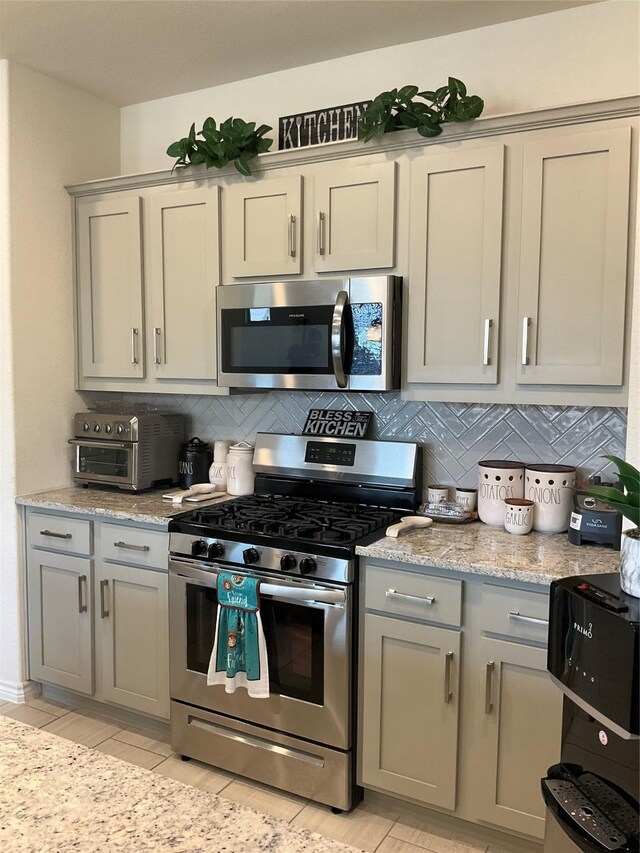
240, 474
218, 469
498, 479
518, 515
551, 489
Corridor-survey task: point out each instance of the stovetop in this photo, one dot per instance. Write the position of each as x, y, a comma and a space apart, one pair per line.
301, 522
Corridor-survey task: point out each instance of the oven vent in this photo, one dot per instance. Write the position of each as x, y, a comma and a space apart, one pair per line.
145, 461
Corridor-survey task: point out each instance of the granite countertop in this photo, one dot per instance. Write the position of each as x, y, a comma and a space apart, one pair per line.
479, 549
143, 507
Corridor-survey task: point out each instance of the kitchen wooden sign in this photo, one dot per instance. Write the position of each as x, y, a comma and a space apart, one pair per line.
331, 124
337, 424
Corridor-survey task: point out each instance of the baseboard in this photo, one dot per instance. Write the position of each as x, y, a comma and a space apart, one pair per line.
19, 691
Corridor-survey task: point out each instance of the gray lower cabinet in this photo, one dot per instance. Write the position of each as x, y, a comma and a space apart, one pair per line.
410, 709
518, 734
59, 588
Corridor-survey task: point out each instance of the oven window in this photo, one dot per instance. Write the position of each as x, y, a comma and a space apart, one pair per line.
105, 461
295, 643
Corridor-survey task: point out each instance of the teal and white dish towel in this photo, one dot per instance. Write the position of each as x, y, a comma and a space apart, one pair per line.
239, 657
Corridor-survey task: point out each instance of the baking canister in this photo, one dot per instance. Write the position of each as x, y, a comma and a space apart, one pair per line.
498, 479
437, 494
240, 474
218, 469
518, 515
551, 488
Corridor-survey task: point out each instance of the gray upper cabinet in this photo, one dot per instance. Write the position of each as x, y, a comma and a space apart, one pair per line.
184, 271
455, 257
573, 265
109, 272
263, 227
355, 218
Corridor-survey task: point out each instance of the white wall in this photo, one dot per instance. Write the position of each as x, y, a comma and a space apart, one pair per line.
584, 54
54, 135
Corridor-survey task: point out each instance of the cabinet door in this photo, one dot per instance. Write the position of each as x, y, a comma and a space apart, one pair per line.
573, 263
59, 590
355, 218
455, 258
264, 227
518, 735
184, 258
409, 737
110, 288
133, 637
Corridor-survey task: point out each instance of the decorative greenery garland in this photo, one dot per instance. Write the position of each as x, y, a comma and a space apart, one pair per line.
237, 141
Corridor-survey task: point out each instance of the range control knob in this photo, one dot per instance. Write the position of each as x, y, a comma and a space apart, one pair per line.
108, 429
215, 550
96, 427
198, 548
85, 427
288, 562
250, 555
307, 565
119, 429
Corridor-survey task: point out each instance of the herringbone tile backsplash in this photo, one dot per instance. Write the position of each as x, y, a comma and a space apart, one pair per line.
455, 436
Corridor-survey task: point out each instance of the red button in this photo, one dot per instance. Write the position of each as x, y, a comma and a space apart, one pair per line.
583, 586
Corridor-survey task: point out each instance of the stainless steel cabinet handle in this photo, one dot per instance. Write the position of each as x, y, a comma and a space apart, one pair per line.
514, 614
448, 660
486, 359
134, 345
488, 704
104, 585
525, 339
131, 547
56, 535
82, 608
292, 236
320, 232
427, 599
337, 335
156, 340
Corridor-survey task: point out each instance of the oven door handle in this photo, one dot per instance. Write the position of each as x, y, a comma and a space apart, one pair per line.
87, 442
337, 338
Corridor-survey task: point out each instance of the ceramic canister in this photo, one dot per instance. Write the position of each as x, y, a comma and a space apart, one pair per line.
218, 469
518, 515
240, 474
498, 479
551, 488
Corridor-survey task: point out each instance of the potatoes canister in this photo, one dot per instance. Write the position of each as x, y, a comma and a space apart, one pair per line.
240, 474
498, 479
551, 488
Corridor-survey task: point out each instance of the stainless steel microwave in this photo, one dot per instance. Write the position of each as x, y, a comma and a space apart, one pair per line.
338, 334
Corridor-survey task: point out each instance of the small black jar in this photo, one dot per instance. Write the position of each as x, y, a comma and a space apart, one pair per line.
194, 462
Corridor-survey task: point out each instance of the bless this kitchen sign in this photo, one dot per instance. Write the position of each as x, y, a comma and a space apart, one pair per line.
332, 124
337, 423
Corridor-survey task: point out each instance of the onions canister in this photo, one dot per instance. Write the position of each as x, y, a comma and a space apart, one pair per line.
498, 479
551, 489
240, 474
193, 463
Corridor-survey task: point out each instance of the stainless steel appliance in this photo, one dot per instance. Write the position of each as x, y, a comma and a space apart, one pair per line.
292, 537
325, 334
132, 452
593, 656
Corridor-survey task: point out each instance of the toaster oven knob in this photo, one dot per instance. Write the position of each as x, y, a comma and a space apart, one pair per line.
198, 548
307, 565
96, 427
119, 429
215, 550
288, 562
250, 555
108, 429
85, 427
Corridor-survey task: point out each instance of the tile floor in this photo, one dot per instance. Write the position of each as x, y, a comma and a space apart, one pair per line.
374, 826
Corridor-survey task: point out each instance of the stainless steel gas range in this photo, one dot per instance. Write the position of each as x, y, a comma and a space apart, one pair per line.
315, 500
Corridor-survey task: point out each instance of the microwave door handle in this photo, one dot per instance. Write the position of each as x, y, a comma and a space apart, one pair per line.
337, 338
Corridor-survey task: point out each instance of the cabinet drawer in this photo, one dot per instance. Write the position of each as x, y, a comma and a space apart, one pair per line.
515, 613
136, 545
400, 593
56, 533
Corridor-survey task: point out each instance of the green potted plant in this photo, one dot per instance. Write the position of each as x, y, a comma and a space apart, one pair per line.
627, 503
235, 141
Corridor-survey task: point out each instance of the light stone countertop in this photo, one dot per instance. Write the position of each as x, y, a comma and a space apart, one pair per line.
479, 549
143, 507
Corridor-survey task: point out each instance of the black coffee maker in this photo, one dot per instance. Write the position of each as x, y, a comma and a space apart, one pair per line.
194, 462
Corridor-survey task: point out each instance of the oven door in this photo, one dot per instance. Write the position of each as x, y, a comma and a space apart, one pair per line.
105, 461
309, 650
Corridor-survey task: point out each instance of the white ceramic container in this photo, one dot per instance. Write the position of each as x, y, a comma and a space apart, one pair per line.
240, 476
551, 489
466, 498
218, 469
498, 479
437, 494
518, 515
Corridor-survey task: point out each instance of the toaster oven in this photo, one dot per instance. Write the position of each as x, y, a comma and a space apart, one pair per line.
133, 452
